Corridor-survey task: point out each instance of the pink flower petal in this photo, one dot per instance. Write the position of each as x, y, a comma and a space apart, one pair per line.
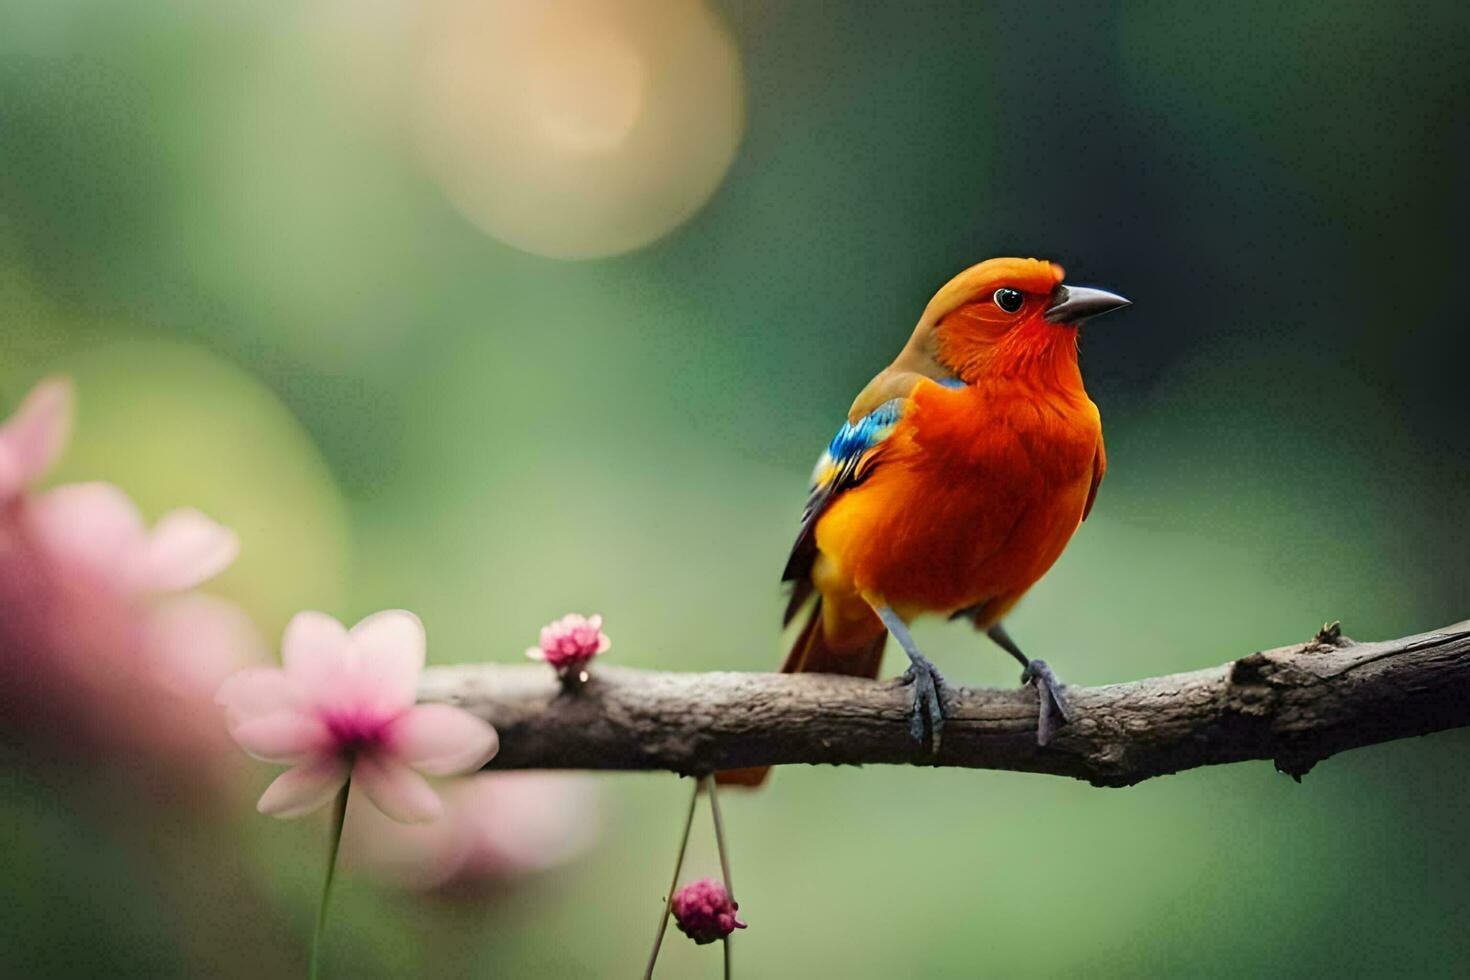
304, 788
314, 650
390, 648
198, 640
442, 740
256, 693
494, 824
523, 821
32, 438
417, 855
396, 789
287, 737
92, 526
185, 549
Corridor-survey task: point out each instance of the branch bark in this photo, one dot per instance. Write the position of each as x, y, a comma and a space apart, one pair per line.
1295, 705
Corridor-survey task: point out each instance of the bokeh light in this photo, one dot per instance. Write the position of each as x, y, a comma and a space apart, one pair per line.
579, 128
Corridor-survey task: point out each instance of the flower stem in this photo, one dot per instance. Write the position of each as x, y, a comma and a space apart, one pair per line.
714, 809
339, 816
663, 921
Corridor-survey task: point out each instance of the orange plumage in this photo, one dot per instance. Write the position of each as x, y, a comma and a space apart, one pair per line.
963, 471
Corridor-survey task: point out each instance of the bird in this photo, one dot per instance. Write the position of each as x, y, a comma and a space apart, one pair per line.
960, 474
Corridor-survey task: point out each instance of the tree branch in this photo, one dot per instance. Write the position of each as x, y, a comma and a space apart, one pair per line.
1296, 706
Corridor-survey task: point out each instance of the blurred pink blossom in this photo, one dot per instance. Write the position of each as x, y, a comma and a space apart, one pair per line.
104, 650
570, 642
196, 641
495, 825
32, 438
344, 705
704, 911
95, 529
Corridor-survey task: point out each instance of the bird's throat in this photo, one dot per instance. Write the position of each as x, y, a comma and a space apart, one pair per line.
1036, 354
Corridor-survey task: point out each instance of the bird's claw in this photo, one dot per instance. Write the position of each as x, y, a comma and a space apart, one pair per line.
929, 688
1053, 709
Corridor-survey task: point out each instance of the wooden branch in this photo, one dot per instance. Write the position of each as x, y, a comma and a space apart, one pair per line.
1296, 706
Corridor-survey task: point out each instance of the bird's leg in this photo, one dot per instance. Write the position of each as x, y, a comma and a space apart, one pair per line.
1052, 704
929, 686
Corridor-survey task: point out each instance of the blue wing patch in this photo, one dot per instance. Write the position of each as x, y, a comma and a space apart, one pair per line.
841, 466
854, 439
867, 432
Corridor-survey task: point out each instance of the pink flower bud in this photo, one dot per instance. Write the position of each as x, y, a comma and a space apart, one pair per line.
705, 912
569, 643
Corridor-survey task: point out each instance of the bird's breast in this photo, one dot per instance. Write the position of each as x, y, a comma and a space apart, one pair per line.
976, 498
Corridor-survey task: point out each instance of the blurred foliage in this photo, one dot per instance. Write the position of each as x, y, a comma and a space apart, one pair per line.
213, 216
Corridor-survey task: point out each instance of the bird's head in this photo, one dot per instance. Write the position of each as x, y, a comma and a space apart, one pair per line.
1000, 319
1007, 318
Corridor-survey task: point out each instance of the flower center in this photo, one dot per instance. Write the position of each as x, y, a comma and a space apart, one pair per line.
357, 731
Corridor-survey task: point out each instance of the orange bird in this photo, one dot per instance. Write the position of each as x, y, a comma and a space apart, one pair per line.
961, 473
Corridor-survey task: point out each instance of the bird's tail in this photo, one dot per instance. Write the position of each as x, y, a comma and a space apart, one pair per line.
812, 654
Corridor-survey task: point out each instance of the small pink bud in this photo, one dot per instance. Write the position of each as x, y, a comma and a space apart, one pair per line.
705, 912
569, 643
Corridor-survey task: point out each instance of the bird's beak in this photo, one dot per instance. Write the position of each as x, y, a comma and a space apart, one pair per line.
1073, 304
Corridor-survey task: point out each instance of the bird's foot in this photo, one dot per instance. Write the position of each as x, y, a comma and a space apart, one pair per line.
929, 692
1053, 709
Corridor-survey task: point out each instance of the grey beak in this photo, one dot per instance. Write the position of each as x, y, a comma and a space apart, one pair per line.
1073, 304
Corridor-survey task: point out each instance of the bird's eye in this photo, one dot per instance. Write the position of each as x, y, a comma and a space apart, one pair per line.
1008, 299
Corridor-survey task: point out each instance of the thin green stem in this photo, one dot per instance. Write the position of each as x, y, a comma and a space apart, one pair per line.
663, 921
339, 817
714, 809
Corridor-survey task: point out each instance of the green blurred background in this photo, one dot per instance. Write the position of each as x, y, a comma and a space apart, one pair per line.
215, 217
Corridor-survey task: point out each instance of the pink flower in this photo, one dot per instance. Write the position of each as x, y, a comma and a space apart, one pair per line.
705, 912
570, 642
495, 825
95, 529
102, 650
32, 438
344, 705
168, 648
